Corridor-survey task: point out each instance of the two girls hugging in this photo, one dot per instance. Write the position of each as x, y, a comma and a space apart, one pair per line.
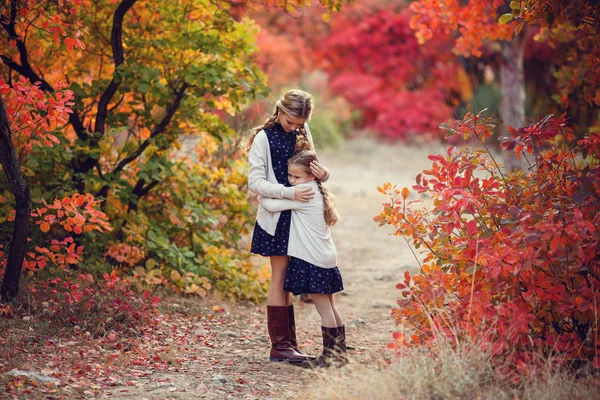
292, 229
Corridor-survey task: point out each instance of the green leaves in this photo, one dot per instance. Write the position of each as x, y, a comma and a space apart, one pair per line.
515, 7
506, 18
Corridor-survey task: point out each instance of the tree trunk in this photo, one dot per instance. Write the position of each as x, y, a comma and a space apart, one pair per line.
20, 189
512, 82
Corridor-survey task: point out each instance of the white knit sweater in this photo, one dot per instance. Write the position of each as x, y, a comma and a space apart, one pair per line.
262, 180
310, 238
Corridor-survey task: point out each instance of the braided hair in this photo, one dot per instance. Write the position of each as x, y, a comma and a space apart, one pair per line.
303, 159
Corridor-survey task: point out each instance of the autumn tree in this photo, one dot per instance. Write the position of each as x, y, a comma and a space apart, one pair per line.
148, 73
496, 24
11, 167
574, 26
139, 99
376, 63
29, 119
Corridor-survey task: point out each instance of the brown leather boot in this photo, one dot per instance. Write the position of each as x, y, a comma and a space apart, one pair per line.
341, 351
293, 340
329, 340
279, 332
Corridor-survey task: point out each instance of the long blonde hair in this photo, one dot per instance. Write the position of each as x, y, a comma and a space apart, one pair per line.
297, 104
303, 159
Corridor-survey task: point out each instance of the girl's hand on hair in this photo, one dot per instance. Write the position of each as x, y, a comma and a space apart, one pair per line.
319, 171
303, 194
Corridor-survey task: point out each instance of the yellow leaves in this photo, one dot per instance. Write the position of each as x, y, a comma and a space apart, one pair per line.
151, 277
195, 289
150, 264
264, 274
175, 275
224, 104
174, 220
158, 112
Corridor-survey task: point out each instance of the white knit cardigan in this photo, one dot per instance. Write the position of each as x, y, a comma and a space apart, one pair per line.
262, 180
310, 238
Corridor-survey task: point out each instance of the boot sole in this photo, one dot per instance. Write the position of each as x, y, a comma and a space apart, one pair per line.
289, 361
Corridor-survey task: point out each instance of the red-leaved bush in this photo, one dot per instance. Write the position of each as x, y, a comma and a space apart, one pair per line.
55, 287
510, 260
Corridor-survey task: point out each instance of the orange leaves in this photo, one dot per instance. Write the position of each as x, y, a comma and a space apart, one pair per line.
44, 226
125, 253
405, 193
385, 188
472, 20
77, 213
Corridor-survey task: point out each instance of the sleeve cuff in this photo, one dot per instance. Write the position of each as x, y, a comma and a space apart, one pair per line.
289, 192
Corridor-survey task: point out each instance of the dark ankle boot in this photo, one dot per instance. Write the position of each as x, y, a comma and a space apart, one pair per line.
279, 332
341, 349
292, 326
329, 339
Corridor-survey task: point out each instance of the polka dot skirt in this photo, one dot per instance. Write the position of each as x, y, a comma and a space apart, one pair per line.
303, 277
281, 144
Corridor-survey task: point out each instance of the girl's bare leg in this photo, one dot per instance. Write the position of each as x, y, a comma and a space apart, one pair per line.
277, 296
323, 304
338, 318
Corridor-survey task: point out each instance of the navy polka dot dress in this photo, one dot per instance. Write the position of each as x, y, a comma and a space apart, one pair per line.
304, 277
281, 144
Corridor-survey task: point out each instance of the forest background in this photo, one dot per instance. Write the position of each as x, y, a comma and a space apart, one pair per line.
125, 119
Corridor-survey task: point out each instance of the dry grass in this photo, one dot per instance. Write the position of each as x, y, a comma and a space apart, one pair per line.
445, 373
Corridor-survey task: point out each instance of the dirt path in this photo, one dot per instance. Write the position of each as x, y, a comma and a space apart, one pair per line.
231, 361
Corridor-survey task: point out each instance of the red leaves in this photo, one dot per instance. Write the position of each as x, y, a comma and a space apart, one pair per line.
510, 260
366, 57
532, 137
34, 115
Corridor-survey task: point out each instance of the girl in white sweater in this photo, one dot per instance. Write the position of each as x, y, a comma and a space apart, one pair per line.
312, 267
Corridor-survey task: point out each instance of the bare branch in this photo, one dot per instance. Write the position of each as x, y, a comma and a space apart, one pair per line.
158, 129
118, 56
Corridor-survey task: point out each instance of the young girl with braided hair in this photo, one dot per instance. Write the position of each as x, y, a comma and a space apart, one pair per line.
312, 266
269, 147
